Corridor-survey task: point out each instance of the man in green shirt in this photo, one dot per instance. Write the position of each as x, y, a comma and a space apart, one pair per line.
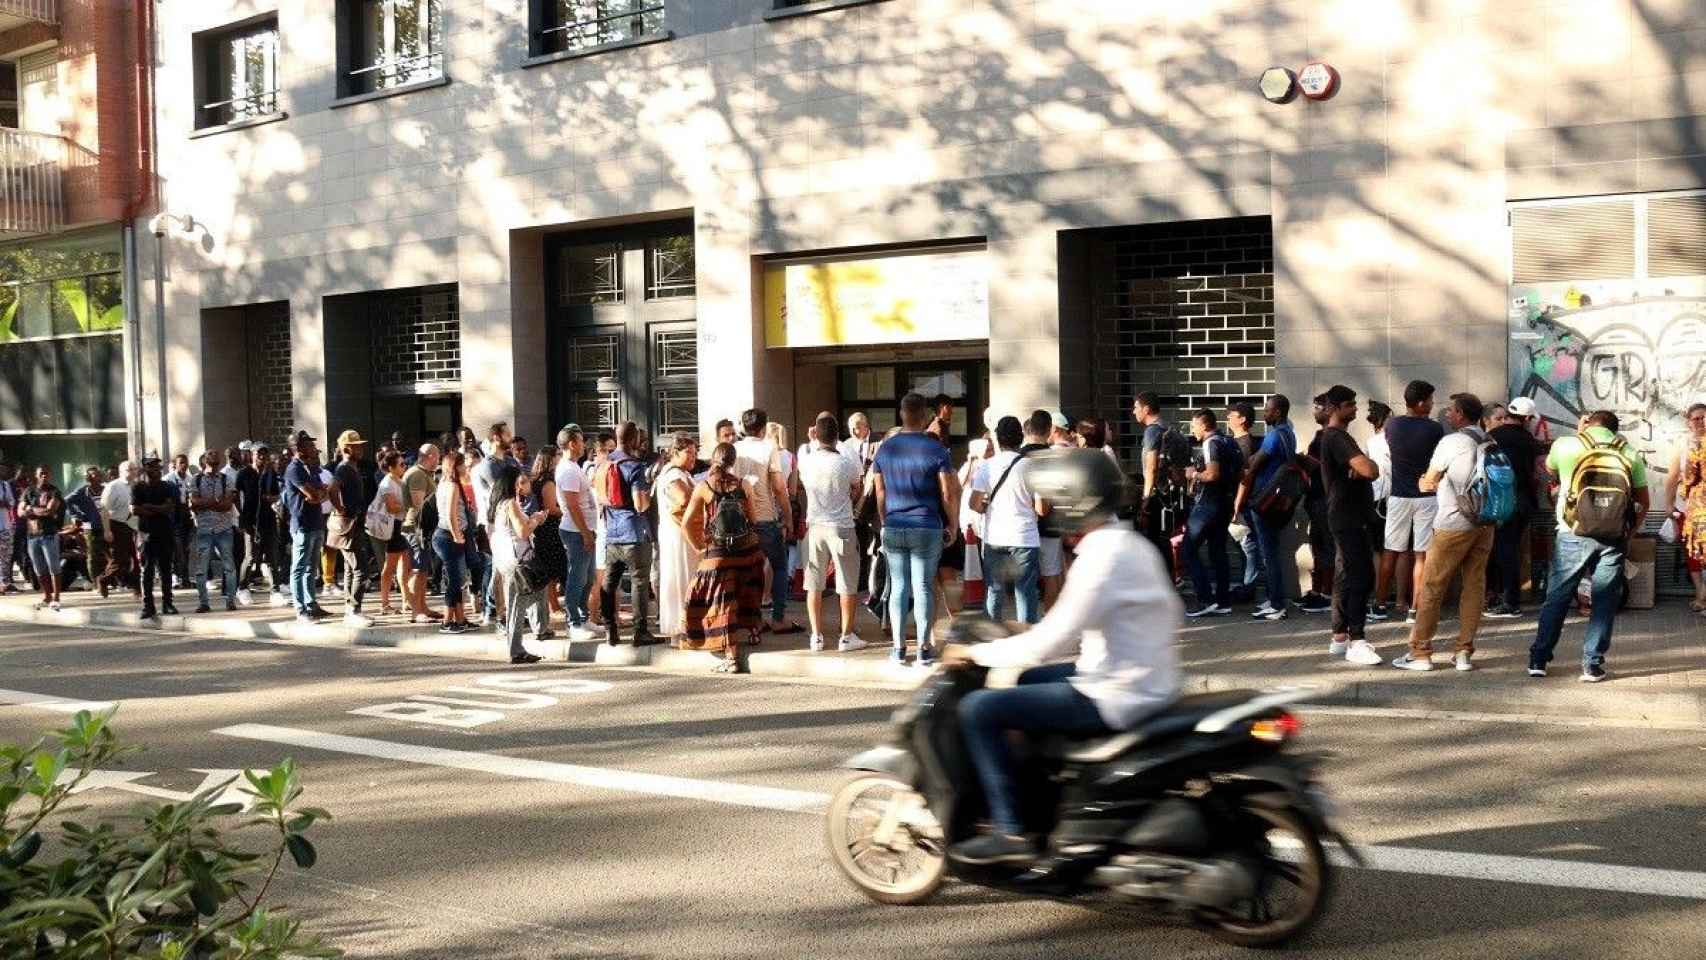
1574, 556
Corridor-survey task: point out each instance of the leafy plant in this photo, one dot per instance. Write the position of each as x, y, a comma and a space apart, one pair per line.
166, 881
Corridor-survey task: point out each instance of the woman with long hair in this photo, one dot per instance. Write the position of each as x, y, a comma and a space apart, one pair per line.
451, 541
1689, 501
511, 531
395, 549
677, 558
726, 596
548, 549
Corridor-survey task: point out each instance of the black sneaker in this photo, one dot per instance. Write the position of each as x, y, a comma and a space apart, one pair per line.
447, 627
1592, 673
1313, 602
169, 610
526, 658
203, 608
991, 848
1504, 611
1378, 613
646, 640
319, 613
1536, 670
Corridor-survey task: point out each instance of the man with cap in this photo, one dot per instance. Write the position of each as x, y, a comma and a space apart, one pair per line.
1518, 444
346, 530
302, 494
155, 504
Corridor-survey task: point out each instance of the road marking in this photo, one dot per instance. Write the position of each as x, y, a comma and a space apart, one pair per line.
1535, 871
766, 798
43, 701
125, 780
484, 703
1523, 719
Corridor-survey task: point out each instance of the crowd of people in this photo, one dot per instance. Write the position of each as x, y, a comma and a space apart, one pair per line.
508, 538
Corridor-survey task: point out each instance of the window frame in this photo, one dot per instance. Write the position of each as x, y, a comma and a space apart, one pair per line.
358, 78
547, 20
787, 9
206, 48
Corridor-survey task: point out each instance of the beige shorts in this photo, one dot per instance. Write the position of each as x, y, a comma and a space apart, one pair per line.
830, 545
1410, 523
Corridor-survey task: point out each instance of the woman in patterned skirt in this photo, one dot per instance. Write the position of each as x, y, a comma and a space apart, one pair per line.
725, 599
1690, 515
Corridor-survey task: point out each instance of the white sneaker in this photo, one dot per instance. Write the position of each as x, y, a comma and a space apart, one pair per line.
281, 600
1407, 662
583, 633
357, 620
817, 643
55, 606
486, 619
1362, 654
332, 590
246, 598
1462, 662
1337, 648
849, 643
1262, 611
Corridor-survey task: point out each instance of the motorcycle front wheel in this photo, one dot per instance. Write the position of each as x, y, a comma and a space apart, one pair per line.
1292, 883
885, 840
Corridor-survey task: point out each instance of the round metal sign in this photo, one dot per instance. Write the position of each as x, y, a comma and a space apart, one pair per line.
1318, 81
1278, 85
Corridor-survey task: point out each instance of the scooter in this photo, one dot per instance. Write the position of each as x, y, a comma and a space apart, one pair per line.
1201, 809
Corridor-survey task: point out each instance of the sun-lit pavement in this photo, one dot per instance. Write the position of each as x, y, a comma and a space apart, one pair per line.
632, 813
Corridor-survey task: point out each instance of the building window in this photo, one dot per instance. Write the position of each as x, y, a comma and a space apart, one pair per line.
391, 43
592, 274
669, 267
565, 26
675, 353
239, 74
61, 336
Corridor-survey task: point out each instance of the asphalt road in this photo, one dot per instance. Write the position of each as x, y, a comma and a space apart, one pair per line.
634, 814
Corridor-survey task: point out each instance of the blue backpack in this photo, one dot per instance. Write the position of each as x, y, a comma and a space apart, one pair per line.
1490, 498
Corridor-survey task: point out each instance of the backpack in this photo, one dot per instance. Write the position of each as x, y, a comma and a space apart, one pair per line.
426, 521
728, 521
1599, 502
1490, 498
1231, 460
616, 496
1278, 500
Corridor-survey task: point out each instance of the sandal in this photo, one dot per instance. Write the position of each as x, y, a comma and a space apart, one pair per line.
385, 611
786, 629
1697, 606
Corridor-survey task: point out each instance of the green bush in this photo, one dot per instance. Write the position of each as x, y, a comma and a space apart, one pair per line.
167, 881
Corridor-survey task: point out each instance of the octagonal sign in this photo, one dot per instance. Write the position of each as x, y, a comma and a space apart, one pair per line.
1278, 85
1318, 81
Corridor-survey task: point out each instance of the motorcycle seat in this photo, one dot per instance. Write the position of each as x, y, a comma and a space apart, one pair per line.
1177, 719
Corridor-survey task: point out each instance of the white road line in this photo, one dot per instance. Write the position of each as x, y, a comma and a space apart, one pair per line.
767, 798
1412, 860
42, 701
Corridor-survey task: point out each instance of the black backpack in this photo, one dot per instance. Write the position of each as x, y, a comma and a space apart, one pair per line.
426, 522
728, 520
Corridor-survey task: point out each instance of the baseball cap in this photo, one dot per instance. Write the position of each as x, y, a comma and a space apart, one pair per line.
350, 438
1521, 406
1059, 420
1339, 393
301, 437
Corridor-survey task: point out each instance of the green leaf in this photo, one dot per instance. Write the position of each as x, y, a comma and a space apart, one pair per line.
22, 851
301, 850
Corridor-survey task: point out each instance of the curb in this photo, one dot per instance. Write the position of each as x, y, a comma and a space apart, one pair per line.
1446, 692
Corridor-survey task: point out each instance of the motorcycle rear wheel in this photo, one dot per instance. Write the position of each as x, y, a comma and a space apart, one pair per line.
910, 867
1294, 859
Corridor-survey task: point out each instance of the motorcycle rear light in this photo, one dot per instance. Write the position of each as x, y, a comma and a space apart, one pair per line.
1276, 730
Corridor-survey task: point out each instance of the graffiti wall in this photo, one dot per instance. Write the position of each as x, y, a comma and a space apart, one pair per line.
1576, 348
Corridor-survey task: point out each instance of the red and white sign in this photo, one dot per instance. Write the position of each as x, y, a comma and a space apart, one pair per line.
1318, 81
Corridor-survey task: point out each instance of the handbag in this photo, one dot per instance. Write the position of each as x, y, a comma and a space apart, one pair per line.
380, 523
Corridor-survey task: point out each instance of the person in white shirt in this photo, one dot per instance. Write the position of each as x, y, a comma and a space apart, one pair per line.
832, 490
118, 530
758, 464
1012, 560
578, 530
1118, 612
860, 446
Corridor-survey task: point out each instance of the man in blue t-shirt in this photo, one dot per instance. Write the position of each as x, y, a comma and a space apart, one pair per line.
1220, 466
627, 536
918, 501
302, 494
1279, 448
1409, 511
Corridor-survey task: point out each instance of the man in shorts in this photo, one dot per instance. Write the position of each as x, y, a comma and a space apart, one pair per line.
1409, 512
832, 485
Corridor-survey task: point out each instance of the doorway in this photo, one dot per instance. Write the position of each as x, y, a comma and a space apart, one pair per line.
876, 390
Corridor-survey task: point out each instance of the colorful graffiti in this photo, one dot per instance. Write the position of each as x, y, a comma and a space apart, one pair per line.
1642, 358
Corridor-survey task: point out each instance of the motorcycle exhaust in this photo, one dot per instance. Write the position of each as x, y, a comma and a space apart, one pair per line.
1198, 884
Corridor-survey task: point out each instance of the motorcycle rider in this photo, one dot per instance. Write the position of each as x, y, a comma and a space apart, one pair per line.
1118, 612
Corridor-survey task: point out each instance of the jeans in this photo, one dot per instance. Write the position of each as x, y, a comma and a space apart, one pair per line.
157, 562
1015, 570
1254, 560
1043, 701
1207, 526
206, 546
620, 558
579, 577
1353, 580
305, 549
912, 559
1270, 537
280, 562
522, 607
1574, 557
776, 553
44, 555
453, 557
1448, 552
480, 575
1507, 557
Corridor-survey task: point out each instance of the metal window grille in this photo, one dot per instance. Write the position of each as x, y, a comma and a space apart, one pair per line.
676, 409
416, 339
270, 407
675, 353
595, 355
592, 274
402, 42
597, 409
591, 23
670, 267
242, 68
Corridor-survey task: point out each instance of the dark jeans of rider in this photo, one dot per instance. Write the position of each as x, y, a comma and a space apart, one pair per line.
1043, 701
1207, 527
1353, 580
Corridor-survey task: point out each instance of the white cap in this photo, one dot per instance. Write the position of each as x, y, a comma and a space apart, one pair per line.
1521, 406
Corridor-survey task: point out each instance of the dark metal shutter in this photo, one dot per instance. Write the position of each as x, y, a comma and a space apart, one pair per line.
1579, 241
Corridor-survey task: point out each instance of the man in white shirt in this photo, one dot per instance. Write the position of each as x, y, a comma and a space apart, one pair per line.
1457, 544
118, 531
758, 464
1118, 612
832, 487
578, 530
1012, 561
859, 446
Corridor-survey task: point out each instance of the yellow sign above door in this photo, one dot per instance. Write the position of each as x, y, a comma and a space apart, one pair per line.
899, 298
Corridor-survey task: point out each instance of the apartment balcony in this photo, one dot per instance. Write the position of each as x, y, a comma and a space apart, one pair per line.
18, 13
33, 171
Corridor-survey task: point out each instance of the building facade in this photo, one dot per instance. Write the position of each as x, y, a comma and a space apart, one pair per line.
73, 173
411, 214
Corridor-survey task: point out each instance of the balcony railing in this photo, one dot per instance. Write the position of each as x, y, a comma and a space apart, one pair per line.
32, 182
34, 11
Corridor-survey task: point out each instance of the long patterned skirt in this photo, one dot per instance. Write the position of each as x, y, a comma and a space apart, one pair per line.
726, 597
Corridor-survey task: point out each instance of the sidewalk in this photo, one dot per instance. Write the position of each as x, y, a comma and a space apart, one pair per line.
1657, 661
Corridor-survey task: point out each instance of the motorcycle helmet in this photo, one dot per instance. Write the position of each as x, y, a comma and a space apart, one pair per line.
1083, 487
